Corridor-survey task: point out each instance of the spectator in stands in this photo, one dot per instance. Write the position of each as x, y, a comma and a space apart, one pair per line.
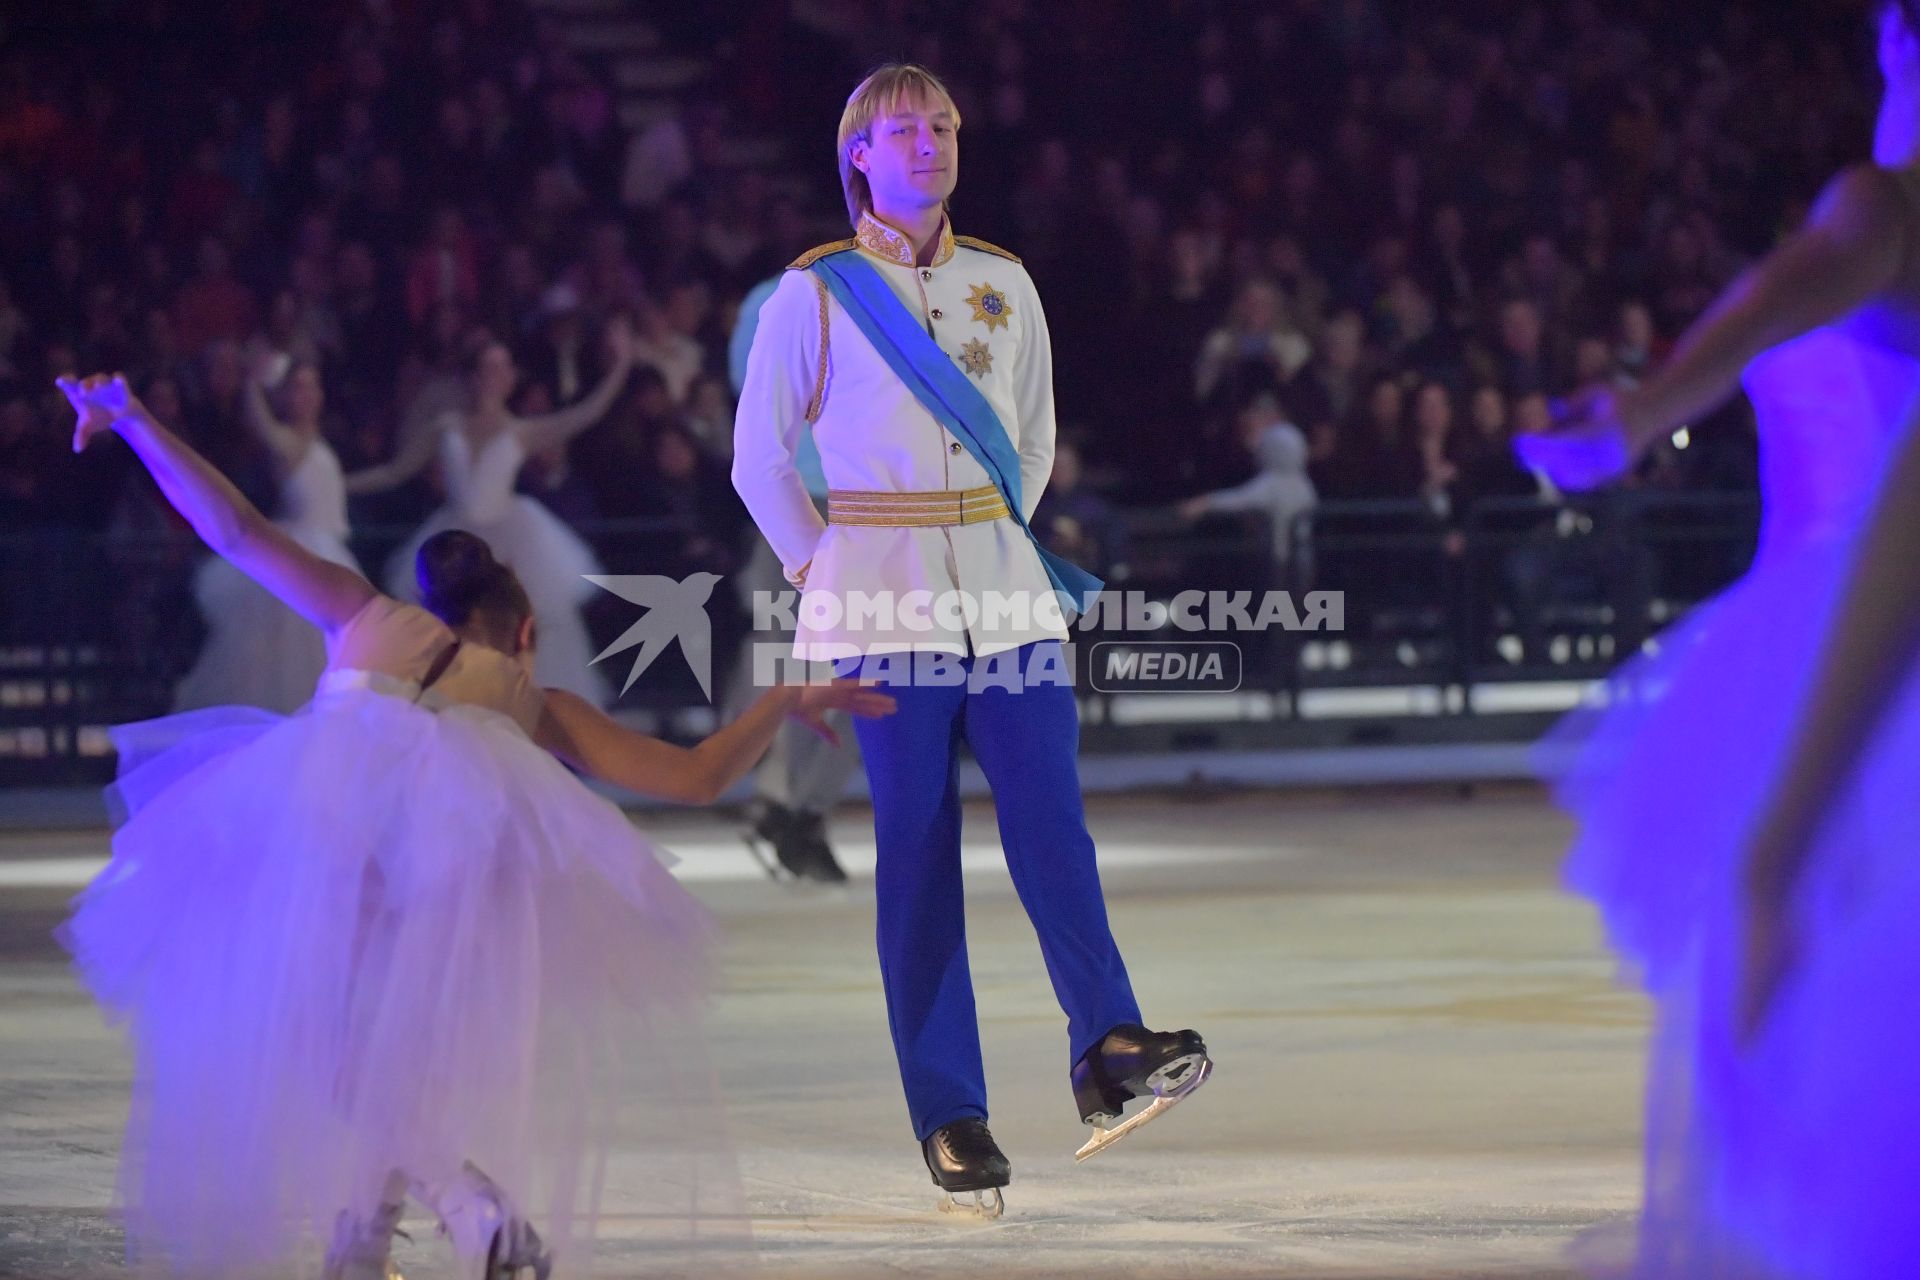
693, 490
1634, 343
1281, 491
560, 360
15, 331
29, 461
444, 271
418, 177
1329, 388
1434, 445
214, 304
1075, 521
1522, 363
1414, 341
667, 343
1372, 461
709, 416
605, 280
1259, 347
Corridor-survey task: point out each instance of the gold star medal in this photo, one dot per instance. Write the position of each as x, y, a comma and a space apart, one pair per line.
990, 305
975, 358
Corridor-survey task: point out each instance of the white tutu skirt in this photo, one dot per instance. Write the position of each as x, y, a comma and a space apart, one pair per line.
370, 938
552, 562
258, 652
1798, 1156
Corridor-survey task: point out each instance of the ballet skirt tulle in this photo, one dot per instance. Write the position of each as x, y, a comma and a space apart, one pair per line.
382, 935
1799, 1155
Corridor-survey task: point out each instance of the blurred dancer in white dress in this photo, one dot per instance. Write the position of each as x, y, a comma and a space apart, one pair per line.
364, 950
481, 452
1792, 1151
258, 652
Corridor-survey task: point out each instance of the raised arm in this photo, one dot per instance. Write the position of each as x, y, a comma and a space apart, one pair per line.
562, 425
324, 593
419, 445
284, 442
782, 369
1251, 495
1216, 353
590, 740
1856, 243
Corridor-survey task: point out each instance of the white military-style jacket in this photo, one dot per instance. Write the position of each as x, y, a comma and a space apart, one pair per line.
983, 586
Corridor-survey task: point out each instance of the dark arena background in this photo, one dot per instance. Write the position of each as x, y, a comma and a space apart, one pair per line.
1395, 235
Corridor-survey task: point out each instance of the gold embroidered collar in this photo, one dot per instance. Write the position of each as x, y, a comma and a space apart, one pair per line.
882, 241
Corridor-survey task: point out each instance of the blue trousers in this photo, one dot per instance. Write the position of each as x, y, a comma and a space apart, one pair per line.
1025, 742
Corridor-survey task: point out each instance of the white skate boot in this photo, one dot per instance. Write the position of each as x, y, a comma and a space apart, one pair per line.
362, 1247
487, 1231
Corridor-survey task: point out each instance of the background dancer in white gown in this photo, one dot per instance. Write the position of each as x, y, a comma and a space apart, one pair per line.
375, 945
258, 652
1793, 1152
481, 452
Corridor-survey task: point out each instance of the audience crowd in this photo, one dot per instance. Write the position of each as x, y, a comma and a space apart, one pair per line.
1292, 251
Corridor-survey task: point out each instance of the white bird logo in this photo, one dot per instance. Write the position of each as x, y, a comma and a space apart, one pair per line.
675, 610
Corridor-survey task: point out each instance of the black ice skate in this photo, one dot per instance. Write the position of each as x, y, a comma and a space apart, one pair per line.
1133, 1062
811, 831
776, 843
963, 1157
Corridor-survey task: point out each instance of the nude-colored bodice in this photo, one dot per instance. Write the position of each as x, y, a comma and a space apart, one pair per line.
402, 641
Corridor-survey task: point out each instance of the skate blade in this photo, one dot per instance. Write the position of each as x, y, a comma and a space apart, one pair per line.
765, 857
1162, 1103
981, 1208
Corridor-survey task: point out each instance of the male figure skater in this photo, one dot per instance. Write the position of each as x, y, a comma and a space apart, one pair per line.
922, 361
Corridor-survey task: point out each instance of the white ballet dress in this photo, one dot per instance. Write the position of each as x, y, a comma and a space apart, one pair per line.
551, 560
258, 652
1800, 1155
391, 933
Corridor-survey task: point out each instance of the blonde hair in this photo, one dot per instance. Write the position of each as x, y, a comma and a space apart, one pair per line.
881, 94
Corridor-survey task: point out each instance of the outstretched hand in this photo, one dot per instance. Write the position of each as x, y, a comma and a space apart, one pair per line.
1589, 446
840, 695
98, 402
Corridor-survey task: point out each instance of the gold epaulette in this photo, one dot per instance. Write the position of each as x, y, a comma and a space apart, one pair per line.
818, 252
973, 243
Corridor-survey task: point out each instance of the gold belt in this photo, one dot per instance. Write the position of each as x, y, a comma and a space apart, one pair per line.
896, 510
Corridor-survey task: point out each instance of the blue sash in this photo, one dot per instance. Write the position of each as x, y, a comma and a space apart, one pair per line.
947, 393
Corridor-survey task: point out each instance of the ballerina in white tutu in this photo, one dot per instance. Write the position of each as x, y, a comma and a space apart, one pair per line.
258, 652
377, 945
481, 452
1793, 1152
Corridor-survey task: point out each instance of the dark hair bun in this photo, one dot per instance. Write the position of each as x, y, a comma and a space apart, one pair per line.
456, 571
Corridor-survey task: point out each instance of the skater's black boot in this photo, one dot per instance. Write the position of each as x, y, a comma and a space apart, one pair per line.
963, 1157
780, 828
810, 830
1132, 1062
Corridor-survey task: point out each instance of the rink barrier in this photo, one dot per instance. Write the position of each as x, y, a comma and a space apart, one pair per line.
1477, 628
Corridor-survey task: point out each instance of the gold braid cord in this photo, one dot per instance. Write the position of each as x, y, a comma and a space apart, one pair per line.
819, 401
